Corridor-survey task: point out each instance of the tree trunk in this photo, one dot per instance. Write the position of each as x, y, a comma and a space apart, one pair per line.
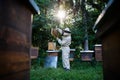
84, 18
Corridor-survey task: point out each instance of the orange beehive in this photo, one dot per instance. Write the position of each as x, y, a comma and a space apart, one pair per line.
51, 46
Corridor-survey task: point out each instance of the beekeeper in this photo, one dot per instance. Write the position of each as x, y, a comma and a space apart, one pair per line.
65, 43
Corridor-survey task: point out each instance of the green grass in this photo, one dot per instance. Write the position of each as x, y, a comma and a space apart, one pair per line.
79, 71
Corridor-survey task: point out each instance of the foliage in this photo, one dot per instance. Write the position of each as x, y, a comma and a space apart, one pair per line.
79, 71
46, 20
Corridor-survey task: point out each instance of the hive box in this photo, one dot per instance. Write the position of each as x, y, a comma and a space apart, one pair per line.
98, 52
51, 46
34, 52
86, 55
15, 38
107, 29
51, 59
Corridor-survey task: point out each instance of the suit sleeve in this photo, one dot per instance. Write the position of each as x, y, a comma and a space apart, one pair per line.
61, 42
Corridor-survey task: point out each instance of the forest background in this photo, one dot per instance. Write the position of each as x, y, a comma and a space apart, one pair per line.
80, 18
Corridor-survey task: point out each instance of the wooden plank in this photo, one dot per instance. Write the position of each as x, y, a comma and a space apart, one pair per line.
13, 62
15, 40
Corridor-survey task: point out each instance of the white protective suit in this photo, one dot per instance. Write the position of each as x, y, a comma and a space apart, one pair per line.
65, 42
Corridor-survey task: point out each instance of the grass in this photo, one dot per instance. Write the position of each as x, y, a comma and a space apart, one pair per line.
79, 71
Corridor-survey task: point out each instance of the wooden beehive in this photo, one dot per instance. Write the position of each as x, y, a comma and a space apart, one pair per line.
15, 39
34, 52
51, 46
107, 28
98, 52
86, 55
71, 55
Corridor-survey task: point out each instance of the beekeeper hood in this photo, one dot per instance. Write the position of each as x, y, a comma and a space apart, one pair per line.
66, 32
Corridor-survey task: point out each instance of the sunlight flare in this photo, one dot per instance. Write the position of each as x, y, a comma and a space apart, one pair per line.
61, 15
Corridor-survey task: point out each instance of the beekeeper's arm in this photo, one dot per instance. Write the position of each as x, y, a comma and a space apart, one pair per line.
61, 42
